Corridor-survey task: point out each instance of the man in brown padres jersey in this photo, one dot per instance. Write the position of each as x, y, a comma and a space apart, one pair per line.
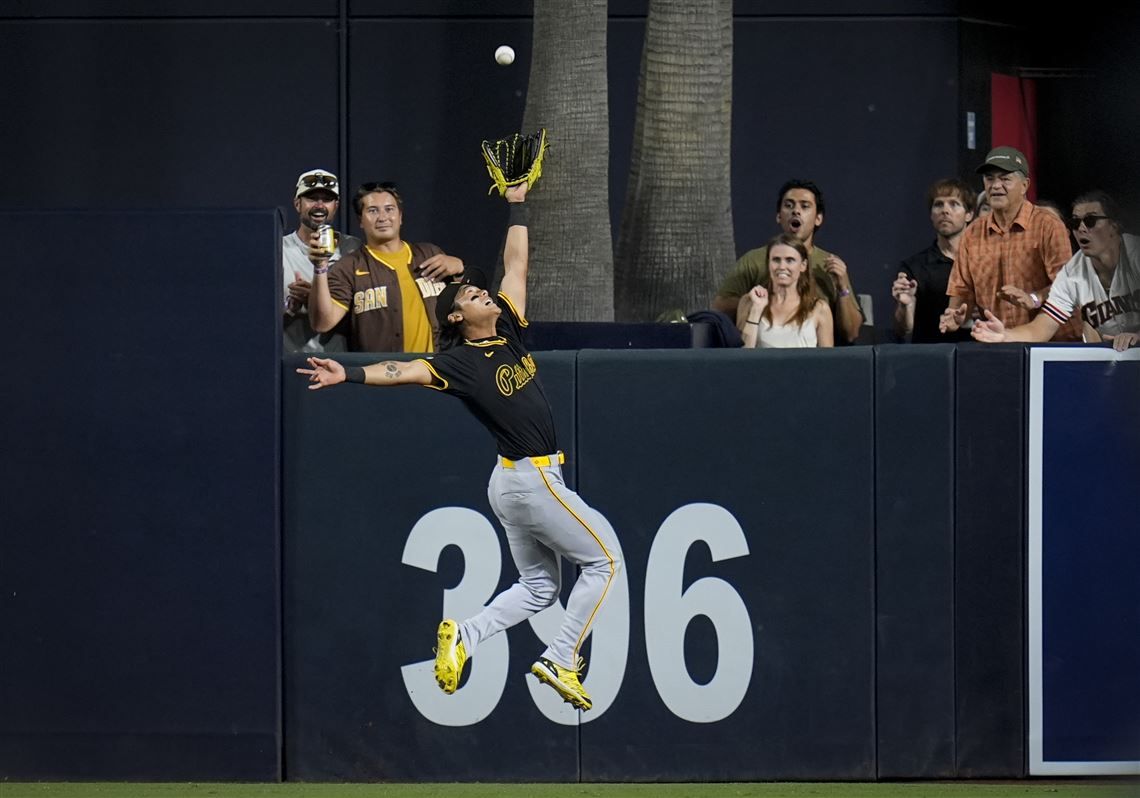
387, 287
485, 364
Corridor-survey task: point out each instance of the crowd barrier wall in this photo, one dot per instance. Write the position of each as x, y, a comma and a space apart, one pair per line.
139, 551
209, 572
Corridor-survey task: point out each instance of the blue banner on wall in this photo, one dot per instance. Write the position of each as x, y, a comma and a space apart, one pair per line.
1084, 562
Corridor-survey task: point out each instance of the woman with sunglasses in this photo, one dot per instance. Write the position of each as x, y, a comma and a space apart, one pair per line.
1102, 282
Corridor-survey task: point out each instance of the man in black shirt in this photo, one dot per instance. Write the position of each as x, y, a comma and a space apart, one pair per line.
484, 363
919, 289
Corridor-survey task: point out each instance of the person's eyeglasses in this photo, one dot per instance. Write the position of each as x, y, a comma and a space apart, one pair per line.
312, 181
1089, 221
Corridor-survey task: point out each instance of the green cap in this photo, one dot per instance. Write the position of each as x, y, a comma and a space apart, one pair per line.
1007, 159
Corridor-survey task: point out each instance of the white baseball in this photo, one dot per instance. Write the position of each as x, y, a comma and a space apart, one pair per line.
505, 55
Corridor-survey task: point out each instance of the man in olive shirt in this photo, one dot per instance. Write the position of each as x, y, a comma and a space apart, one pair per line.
799, 212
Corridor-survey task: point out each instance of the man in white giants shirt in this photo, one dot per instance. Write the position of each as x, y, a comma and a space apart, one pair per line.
1101, 282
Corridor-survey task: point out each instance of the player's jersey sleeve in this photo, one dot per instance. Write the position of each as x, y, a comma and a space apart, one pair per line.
1063, 298
452, 371
340, 282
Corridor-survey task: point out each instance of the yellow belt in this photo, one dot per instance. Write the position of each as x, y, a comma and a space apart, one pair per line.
542, 461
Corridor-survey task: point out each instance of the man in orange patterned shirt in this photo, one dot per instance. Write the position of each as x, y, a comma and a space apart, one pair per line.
1008, 259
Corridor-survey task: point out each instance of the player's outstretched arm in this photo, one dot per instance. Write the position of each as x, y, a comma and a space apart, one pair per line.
325, 373
516, 251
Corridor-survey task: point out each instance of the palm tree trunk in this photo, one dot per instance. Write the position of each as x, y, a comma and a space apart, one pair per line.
572, 262
676, 238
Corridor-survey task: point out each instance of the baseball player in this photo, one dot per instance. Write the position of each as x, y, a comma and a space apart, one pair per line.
484, 363
1101, 283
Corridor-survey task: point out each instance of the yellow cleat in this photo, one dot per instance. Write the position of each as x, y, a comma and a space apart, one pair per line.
450, 656
565, 681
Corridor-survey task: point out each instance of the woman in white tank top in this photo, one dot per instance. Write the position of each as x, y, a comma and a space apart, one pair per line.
787, 312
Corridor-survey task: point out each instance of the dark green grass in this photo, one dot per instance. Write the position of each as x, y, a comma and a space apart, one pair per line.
1025, 789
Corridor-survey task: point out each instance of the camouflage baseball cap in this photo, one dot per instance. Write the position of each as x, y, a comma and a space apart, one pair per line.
1007, 159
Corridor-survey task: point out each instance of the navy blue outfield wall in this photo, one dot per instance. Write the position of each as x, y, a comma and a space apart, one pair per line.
139, 572
824, 549
793, 599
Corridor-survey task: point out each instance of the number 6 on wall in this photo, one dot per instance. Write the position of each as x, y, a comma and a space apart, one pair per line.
668, 613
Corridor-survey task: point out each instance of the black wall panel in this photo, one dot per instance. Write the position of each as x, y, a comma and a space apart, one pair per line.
989, 572
914, 560
167, 114
774, 442
139, 549
866, 108
424, 94
362, 466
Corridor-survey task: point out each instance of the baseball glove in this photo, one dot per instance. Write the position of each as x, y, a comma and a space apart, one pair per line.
515, 160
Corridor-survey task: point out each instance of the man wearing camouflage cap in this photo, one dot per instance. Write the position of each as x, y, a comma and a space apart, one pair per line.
1008, 259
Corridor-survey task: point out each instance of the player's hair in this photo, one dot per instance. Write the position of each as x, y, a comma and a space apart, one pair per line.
1107, 204
953, 187
807, 185
372, 188
805, 284
450, 334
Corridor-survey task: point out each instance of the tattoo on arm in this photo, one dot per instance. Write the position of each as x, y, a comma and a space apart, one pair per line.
391, 370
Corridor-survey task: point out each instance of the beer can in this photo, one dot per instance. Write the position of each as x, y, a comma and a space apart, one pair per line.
326, 239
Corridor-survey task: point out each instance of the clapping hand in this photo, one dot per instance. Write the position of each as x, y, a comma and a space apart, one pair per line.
952, 318
989, 330
904, 289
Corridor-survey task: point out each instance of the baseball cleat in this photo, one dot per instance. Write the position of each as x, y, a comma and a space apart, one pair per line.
565, 681
450, 656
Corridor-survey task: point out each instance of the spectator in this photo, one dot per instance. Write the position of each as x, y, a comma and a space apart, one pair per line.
786, 312
389, 285
799, 212
919, 289
1102, 280
1006, 263
316, 199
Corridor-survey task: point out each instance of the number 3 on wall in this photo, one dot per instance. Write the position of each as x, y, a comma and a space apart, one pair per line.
668, 613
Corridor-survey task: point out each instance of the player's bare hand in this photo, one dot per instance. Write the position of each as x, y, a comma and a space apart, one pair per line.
441, 266
989, 330
904, 289
322, 373
952, 318
838, 271
1015, 296
517, 193
1122, 341
299, 289
317, 256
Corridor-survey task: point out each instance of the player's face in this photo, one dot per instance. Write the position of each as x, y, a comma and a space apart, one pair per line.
949, 216
316, 208
798, 214
1005, 190
476, 305
1099, 240
380, 217
785, 265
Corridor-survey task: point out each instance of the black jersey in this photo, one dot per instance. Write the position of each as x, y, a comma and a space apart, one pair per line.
497, 379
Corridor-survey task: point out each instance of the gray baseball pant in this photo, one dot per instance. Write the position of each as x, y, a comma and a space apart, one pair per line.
543, 519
